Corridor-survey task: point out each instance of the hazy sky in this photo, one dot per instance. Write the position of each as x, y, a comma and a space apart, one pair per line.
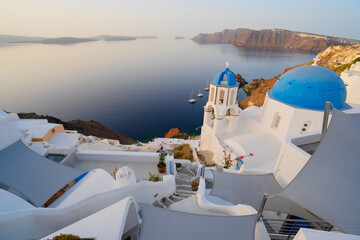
82, 18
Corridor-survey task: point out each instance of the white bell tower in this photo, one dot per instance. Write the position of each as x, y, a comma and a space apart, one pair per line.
221, 112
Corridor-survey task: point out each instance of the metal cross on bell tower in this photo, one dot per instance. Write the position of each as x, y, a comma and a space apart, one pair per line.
315, 61
227, 64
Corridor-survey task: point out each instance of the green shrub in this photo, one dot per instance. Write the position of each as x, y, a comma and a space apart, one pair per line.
183, 151
161, 164
344, 67
66, 237
178, 165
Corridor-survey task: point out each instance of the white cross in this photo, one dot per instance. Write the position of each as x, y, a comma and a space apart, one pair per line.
227, 64
315, 61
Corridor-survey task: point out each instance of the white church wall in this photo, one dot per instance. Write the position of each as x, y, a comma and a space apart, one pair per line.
352, 83
277, 117
305, 120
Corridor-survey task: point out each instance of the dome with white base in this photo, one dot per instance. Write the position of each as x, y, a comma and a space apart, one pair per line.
310, 87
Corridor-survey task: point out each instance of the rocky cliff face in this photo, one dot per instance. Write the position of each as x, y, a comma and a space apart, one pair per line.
339, 58
176, 133
87, 128
256, 90
273, 39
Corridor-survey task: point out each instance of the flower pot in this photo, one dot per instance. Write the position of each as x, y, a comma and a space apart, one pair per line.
194, 188
194, 185
161, 170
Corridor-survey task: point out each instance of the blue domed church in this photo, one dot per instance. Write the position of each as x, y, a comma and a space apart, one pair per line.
310, 87
292, 110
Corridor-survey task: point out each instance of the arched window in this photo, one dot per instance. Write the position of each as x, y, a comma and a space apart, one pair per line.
221, 97
276, 121
224, 80
232, 97
212, 93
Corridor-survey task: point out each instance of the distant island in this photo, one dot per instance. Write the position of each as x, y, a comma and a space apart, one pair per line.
274, 39
10, 39
179, 37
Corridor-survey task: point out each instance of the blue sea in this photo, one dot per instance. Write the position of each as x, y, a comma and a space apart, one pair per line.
136, 88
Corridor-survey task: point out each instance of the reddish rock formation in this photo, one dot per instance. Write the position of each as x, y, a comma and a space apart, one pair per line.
176, 133
274, 39
256, 90
171, 132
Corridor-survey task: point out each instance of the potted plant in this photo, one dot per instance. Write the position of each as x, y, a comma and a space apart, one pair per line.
154, 178
161, 164
194, 185
228, 162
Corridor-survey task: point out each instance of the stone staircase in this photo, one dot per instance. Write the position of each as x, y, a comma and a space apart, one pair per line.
183, 180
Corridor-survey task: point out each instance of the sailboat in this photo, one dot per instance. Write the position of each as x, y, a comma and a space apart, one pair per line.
191, 99
200, 94
207, 88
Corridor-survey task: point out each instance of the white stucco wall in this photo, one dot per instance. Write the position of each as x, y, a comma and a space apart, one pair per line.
140, 162
108, 223
9, 133
95, 182
311, 234
352, 82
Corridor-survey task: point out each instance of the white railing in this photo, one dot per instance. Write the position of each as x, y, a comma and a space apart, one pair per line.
236, 210
288, 228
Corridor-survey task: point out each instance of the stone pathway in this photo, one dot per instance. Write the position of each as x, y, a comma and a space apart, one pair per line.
183, 180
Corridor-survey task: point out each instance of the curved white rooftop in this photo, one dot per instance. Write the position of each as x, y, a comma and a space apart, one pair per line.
10, 202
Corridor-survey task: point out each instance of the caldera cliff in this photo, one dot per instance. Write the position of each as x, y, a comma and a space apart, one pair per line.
274, 39
337, 58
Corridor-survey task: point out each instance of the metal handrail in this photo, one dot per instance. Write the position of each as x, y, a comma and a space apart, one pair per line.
288, 228
294, 220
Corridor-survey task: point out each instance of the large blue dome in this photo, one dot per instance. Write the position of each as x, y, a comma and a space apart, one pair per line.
229, 80
310, 87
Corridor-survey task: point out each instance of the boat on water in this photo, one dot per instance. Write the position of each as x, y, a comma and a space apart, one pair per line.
279, 190
192, 99
207, 88
200, 94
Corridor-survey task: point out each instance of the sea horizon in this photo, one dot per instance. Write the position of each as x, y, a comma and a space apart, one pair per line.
136, 88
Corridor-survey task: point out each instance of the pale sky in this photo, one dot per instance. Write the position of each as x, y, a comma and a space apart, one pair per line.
86, 18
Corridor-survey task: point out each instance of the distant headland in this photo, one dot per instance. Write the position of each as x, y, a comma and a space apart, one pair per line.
274, 39
10, 39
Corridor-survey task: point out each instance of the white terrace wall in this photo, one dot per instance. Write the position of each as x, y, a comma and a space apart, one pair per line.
140, 162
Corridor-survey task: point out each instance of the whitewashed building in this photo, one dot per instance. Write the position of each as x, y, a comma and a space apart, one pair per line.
293, 107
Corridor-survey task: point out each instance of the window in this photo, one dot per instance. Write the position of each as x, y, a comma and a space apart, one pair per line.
232, 97
221, 97
224, 80
276, 121
212, 93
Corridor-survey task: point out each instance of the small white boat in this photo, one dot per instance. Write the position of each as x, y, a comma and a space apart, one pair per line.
191, 99
200, 94
207, 88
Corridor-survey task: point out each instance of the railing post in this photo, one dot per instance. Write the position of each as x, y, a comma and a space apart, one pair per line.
292, 229
325, 119
262, 205
202, 173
